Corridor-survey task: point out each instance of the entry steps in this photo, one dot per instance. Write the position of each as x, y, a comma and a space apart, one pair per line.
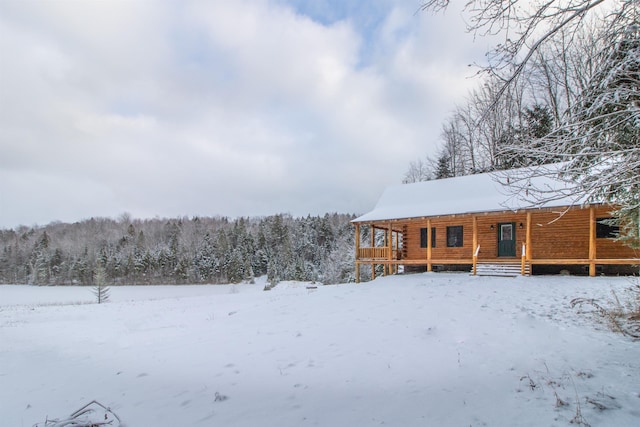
504, 269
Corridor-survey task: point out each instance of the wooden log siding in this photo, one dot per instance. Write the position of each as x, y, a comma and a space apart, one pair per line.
551, 236
404, 245
564, 238
609, 248
440, 251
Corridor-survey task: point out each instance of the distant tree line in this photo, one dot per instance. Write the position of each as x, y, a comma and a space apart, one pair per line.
180, 250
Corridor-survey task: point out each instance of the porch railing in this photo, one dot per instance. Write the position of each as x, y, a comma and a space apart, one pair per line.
373, 253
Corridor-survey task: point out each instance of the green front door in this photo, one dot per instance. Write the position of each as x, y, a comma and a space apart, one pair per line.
507, 239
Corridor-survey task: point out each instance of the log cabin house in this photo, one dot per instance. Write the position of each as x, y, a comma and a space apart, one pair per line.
472, 222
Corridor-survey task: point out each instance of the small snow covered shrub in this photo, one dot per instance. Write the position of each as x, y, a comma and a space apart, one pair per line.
93, 414
622, 312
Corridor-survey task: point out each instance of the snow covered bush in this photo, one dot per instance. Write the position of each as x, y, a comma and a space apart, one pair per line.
622, 312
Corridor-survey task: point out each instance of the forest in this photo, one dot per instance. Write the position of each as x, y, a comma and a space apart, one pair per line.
180, 250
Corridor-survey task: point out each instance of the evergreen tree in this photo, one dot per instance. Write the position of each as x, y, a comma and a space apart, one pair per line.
443, 170
537, 124
39, 264
100, 288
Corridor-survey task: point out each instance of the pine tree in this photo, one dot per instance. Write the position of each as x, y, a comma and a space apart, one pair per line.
100, 288
443, 171
39, 262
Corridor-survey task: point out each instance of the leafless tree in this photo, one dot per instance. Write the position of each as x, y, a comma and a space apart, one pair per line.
419, 170
598, 134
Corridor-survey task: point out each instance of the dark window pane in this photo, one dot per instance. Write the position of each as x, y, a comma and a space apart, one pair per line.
605, 228
423, 237
506, 231
454, 236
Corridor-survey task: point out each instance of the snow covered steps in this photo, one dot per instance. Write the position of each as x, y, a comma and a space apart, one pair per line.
507, 269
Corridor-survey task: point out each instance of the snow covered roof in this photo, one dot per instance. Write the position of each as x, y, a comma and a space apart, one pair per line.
486, 192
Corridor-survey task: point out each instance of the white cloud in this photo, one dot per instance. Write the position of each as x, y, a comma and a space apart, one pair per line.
232, 108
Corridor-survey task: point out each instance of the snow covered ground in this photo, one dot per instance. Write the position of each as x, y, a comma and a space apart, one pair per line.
418, 350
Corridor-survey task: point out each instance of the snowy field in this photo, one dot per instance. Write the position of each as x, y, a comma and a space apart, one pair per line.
418, 350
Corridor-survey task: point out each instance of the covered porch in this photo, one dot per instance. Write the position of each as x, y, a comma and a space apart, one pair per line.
513, 240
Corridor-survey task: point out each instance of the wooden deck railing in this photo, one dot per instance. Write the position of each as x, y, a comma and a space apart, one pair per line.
373, 253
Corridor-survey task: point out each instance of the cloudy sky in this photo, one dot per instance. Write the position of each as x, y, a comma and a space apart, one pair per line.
234, 108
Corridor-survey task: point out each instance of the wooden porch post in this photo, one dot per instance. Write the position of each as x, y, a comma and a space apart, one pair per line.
528, 237
388, 268
475, 245
357, 253
429, 265
373, 244
592, 241
527, 242
397, 247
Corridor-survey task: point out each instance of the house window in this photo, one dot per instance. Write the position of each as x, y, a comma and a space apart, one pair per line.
454, 236
606, 229
424, 236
